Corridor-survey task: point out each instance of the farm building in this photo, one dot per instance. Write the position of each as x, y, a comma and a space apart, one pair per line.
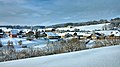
13, 33
52, 35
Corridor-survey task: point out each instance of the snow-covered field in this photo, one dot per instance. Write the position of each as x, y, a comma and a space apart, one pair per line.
108, 32
91, 27
36, 42
98, 57
86, 28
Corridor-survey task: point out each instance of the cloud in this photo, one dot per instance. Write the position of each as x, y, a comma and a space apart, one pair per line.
53, 11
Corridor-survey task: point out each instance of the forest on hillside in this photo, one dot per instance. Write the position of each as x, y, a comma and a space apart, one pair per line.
113, 22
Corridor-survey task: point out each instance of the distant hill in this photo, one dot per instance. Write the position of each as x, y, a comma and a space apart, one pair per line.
113, 23
79, 23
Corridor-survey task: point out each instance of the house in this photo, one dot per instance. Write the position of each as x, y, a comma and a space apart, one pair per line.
80, 35
68, 35
86, 35
97, 35
7, 31
30, 35
52, 35
63, 35
21, 34
13, 33
42, 34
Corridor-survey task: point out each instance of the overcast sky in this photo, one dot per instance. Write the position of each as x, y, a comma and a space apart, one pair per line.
49, 12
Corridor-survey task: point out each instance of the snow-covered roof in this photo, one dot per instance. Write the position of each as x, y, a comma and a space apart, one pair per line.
7, 30
41, 29
1, 33
14, 31
51, 34
49, 28
3, 28
62, 34
26, 30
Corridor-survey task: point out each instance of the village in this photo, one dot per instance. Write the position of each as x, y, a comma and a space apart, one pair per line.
59, 33
55, 40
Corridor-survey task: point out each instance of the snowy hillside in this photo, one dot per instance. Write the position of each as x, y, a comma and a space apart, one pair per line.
86, 28
99, 57
91, 27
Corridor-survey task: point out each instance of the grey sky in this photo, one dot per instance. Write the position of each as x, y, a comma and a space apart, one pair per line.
48, 12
